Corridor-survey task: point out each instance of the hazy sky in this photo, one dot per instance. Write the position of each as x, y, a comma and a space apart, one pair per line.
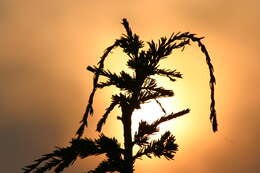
46, 45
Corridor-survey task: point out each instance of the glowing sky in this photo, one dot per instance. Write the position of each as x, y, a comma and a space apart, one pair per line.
46, 45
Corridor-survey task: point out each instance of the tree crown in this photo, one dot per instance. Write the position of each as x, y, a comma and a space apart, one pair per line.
135, 90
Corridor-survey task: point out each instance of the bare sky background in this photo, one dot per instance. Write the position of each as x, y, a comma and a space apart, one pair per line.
46, 45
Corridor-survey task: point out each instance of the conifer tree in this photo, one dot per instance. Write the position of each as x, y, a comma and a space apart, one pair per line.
135, 90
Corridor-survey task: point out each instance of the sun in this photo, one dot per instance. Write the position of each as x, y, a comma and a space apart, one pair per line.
151, 111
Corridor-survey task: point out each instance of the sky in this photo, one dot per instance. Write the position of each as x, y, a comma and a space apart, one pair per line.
45, 47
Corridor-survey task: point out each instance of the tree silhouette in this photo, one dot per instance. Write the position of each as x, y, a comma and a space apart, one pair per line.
135, 90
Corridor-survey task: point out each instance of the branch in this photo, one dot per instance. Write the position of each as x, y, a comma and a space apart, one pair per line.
171, 74
144, 130
108, 166
130, 43
212, 81
101, 122
123, 81
153, 93
170, 117
165, 47
159, 103
165, 146
61, 158
89, 108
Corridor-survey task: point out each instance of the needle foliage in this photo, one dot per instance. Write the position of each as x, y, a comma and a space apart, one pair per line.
135, 89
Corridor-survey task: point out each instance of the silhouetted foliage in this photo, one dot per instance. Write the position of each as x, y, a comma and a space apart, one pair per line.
135, 90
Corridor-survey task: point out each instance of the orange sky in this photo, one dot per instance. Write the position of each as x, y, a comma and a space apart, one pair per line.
46, 45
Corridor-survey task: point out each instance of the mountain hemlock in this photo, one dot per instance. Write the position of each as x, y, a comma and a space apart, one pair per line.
135, 90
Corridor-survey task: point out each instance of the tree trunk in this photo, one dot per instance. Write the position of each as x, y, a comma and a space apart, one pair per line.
128, 155
127, 112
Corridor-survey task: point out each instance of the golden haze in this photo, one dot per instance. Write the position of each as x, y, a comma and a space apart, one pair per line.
46, 45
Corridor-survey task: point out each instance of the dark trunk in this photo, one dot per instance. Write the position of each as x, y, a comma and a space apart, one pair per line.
128, 155
127, 112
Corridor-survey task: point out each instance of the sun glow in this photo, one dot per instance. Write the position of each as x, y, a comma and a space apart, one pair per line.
151, 111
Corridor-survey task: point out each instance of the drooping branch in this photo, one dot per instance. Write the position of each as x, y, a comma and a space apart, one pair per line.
167, 46
89, 108
212, 81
